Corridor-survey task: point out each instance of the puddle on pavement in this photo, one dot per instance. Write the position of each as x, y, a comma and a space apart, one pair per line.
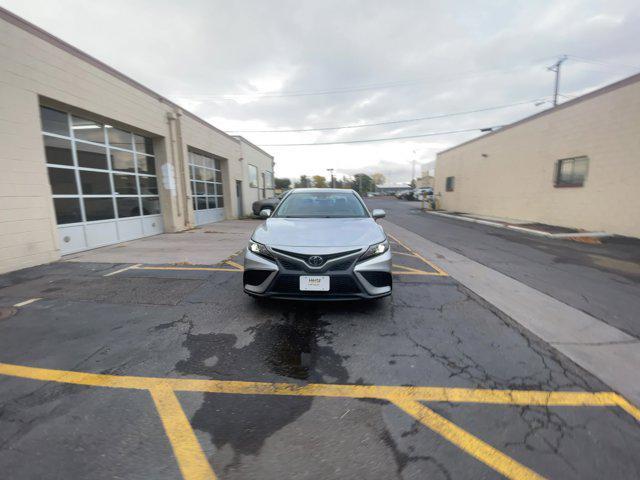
289, 348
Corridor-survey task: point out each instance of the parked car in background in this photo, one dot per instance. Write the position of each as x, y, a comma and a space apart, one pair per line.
269, 204
421, 193
402, 194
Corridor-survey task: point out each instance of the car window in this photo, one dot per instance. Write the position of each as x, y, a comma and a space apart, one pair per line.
321, 205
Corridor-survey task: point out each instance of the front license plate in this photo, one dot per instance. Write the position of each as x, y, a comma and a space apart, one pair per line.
314, 283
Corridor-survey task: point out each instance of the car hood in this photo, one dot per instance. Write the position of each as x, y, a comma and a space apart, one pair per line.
319, 232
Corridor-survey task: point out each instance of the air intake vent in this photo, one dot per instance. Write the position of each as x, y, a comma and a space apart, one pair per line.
255, 277
378, 279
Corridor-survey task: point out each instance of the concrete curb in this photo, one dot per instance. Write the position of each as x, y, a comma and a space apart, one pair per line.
522, 229
606, 352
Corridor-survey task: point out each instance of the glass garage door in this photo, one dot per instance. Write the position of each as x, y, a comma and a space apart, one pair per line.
103, 180
206, 188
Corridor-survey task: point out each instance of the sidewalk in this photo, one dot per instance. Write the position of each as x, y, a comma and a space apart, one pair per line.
206, 245
533, 228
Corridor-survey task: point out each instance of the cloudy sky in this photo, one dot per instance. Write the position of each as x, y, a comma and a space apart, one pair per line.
299, 65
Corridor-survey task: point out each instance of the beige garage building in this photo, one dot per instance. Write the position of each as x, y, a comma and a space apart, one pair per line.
576, 165
90, 157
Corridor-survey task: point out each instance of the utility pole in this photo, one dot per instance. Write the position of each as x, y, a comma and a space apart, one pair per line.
333, 179
556, 68
413, 170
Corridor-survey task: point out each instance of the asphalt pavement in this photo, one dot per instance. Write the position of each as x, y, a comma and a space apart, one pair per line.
602, 280
158, 371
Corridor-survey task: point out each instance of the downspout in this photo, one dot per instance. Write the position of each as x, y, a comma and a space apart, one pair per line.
184, 181
172, 145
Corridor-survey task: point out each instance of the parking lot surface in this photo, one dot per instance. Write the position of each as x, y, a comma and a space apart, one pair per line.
111, 370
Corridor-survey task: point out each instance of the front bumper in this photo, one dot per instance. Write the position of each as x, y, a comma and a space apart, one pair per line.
349, 279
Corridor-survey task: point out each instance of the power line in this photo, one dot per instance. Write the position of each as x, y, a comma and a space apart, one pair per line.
370, 140
600, 62
394, 122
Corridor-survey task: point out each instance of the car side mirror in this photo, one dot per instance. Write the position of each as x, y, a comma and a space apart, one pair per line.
265, 213
378, 213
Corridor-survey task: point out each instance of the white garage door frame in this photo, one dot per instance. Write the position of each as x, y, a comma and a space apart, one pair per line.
206, 188
130, 198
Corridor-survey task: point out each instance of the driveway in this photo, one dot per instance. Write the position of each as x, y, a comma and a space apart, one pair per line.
166, 369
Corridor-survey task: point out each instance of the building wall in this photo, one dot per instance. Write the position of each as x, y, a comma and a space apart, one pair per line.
193, 135
264, 162
36, 68
511, 173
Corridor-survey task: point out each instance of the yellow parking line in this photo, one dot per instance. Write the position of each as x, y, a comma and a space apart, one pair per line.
412, 271
464, 440
439, 271
192, 461
234, 264
404, 253
194, 464
430, 394
627, 407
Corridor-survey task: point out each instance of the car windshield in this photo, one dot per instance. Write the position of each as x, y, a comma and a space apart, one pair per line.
321, 205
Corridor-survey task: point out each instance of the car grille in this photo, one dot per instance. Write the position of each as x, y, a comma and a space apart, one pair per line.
289, 265
341, 266
339, 285
377, 279
327, 256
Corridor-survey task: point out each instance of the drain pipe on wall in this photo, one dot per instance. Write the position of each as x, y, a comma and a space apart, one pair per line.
173, 119
167, 170
184, 181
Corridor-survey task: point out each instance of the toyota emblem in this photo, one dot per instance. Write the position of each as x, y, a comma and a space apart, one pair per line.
316, 261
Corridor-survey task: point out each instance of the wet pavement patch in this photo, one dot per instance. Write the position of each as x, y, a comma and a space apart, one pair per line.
286, 349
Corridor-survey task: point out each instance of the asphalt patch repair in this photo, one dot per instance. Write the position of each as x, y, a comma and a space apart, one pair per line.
425, 383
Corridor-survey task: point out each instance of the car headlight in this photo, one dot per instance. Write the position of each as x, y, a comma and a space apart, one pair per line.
375, 250
259, 249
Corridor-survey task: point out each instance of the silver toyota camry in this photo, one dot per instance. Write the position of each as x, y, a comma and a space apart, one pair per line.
322, 244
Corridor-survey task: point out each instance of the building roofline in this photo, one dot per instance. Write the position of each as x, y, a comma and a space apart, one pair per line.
587, 96
240, 138
33, 29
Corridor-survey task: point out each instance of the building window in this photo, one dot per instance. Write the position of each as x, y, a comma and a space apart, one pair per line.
253, 176
268, 179
97, 172
206, 182
450, 184
571, 172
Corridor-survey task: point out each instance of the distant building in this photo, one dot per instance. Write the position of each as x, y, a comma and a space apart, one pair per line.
575, 165
425, 181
